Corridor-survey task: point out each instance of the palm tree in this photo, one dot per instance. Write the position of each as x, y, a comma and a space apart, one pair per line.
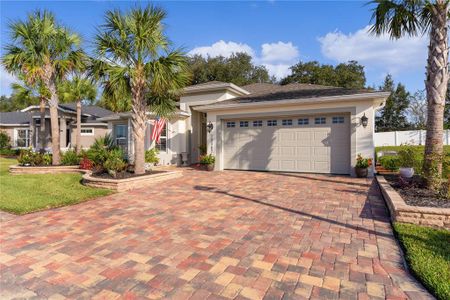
43, 50
30, 94
134, 61
413, 17
76, 90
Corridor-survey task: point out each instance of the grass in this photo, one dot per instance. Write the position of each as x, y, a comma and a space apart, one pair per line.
21, 194
420, 151
428, 255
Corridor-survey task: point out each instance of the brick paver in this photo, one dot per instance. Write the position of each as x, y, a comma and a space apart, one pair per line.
219, 235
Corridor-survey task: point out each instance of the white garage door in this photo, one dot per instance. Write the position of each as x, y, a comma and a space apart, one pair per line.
318, 144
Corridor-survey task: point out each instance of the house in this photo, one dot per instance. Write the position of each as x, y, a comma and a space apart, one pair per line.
266, 127
23, 126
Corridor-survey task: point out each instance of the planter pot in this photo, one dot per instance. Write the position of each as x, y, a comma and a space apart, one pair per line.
406, 172
361, 172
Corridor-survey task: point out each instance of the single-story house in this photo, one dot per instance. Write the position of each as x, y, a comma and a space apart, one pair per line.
265, 127
23, 126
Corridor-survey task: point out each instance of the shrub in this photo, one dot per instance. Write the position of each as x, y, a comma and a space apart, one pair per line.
25, 157
207, 159
391, 163
86, 163
408, 157
114, 162
99, 151
151, 156
70, 158
46, 159
5, 141
9, 152
362, 162
29, 158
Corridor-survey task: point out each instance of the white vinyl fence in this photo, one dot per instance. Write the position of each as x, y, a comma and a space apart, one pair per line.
412, 137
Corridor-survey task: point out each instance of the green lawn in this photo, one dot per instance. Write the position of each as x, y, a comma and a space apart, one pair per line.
21, 194
428, 255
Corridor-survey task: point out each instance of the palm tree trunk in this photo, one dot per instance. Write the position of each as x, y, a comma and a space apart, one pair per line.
54, 121
42, 135
138, 117
78, 138
436, 86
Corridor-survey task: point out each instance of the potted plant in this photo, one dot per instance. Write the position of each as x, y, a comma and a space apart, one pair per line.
407, 157
208, 162
362, 164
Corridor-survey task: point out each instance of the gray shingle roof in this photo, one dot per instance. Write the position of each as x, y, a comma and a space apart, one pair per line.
15, 117
93, 110
260, 92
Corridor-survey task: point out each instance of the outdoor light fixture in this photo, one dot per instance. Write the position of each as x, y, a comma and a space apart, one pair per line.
210, 127
364, 120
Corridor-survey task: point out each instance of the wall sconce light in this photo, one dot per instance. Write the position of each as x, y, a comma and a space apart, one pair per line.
210, 127
364, 120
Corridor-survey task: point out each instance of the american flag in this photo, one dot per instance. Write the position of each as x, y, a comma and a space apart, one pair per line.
158, 127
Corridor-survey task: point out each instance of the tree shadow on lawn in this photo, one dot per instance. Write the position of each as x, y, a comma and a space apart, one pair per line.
377, 211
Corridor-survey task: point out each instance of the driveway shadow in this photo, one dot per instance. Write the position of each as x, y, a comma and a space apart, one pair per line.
365, 213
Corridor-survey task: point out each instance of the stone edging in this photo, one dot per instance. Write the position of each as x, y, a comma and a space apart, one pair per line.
402, 212
16, 170
121, 185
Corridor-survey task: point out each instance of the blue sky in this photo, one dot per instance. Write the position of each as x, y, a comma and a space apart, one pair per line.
277, 34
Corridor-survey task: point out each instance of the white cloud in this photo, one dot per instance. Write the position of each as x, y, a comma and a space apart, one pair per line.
379, 52
279, 52
5, 81
222, 48
276, 57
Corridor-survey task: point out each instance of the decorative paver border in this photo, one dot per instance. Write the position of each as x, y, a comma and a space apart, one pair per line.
402, 212
16, 170
121, 185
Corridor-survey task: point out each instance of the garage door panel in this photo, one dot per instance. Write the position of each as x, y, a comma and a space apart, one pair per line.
321, 148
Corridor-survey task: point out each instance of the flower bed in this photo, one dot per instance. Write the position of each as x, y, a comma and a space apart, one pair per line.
126, 184
402, 212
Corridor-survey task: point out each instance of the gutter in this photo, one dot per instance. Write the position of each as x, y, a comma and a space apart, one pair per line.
298, 101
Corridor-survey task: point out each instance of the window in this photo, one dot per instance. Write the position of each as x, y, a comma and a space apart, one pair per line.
120, 135
22, 138
243, 124
162, 145
286, 122
321, 120
87, 131
303, 121
272, 123
231, 124
338, 120
257, 123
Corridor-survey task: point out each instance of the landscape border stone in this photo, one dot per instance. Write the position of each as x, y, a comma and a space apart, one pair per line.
402, 212
17, 170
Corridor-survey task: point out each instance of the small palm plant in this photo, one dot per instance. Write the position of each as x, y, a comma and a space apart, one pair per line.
401, 18
134, 62
78, 89
44, 51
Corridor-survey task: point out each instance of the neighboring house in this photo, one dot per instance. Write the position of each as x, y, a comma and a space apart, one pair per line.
23, 126
292, 128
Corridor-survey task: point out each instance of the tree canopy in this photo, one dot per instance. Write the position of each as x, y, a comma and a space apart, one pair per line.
238, 69
393, 115
347, 75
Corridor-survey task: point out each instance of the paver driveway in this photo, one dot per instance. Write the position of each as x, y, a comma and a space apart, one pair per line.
213, 235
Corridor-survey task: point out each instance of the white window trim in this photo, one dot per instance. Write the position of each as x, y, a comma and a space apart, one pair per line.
164, 137
16, 136
87, 134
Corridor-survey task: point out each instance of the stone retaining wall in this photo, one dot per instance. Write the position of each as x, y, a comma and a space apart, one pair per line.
121, 185
16, 170
402, 212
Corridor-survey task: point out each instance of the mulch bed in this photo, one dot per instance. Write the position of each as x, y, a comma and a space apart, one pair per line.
413, 192
124, 175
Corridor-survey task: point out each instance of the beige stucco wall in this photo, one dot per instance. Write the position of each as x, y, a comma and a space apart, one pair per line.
361, 138
87, 140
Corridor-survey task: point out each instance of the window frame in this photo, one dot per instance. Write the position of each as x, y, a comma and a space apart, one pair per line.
27, 138
257, 123
230, 124
272, 123
324, 119
163, 136
125, 137
243, 124
301, 121
92, 133
338, 120
286, 122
